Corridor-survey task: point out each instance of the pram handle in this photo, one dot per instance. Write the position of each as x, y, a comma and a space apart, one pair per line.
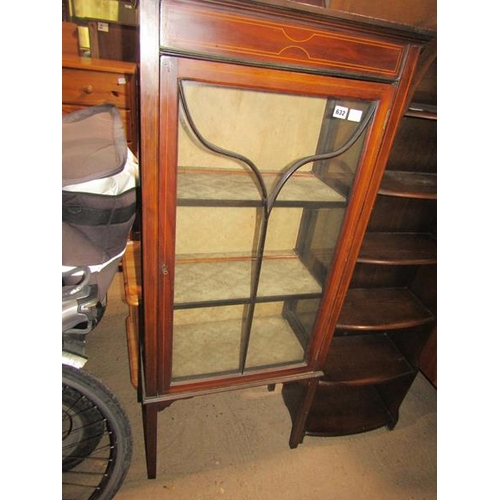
73, 359
71, 290
80, 305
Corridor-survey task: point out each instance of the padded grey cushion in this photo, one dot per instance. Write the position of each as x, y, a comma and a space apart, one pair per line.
94, 144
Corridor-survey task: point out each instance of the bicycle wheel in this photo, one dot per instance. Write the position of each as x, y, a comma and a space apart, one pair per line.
96, 439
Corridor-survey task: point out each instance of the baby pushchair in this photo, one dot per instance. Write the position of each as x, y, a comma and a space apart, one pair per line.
99, 179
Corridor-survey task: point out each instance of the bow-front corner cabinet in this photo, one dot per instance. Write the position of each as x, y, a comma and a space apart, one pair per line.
265, 130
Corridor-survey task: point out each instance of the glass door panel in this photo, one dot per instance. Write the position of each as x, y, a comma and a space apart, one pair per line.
206, 341
263, 183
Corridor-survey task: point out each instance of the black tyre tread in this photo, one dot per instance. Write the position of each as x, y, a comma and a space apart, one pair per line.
90, 417
108, 403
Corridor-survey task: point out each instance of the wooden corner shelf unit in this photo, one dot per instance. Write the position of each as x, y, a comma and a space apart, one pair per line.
266, 127
387, 327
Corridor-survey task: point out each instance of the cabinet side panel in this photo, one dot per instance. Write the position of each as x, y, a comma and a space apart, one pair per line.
149, 78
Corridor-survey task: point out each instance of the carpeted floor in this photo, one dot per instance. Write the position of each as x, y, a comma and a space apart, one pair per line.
234, 445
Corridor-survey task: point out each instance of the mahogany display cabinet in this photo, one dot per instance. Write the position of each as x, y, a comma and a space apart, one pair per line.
265, 131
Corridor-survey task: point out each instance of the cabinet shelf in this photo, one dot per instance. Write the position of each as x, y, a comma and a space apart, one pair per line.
361, 409
398, 249
382, 309
364, 359
273, 343
409, 185
366, 379
224, 281
207, 187
420, 110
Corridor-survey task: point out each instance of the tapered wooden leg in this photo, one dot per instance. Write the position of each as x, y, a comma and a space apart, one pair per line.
299, 422
150, 428
394, 420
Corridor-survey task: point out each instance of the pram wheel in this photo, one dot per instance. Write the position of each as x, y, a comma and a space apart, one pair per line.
96, 438
82, 428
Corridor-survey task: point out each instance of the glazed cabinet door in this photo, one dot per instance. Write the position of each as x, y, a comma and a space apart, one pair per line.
261, 181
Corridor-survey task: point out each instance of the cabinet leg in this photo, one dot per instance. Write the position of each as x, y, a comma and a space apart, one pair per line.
393, 420
299, 422
150, 428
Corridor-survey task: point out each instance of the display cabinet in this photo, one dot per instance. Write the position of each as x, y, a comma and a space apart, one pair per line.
389, 312
265, 130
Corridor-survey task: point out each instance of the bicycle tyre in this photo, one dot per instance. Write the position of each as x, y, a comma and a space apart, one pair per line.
99, 469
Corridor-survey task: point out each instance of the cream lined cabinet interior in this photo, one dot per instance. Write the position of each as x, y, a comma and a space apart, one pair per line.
254, 216
265, 128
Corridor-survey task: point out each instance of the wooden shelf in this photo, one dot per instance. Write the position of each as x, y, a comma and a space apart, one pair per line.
340, 409
360, 409
204, 187
364, 359
424, 111
398, 249
202, 282
409, 185
382, 309
366, 379
210, 282
111, 66
273, 343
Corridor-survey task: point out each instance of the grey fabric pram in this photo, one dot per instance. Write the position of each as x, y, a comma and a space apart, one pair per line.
98, 210
99, 183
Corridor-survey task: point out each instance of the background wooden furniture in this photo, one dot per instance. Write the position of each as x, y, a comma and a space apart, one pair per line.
90, 82
276, 66
115, 41
69, 42
132, 280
